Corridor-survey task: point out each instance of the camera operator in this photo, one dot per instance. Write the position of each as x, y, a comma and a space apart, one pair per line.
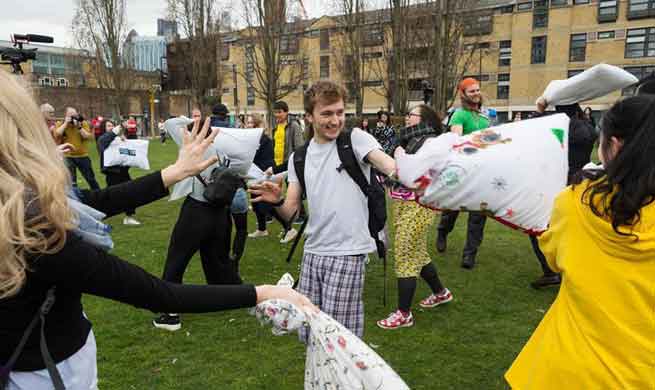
75, 131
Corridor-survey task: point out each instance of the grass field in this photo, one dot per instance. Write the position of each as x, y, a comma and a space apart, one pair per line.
467, 344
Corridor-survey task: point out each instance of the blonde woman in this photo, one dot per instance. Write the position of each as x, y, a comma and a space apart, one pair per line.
47, 251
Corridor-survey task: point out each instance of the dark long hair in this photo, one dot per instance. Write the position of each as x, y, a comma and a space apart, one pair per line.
627, 183
430, 118
103, 125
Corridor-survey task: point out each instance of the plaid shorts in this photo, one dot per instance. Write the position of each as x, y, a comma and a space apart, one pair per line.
335, 284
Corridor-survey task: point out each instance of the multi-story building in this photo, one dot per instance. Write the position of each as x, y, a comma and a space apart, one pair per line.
145, 53
167, 29
518, 47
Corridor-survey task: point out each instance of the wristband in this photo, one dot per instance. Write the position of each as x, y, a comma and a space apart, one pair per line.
279, 203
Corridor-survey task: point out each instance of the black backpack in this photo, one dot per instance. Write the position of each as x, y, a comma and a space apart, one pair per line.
373, 189
222, 185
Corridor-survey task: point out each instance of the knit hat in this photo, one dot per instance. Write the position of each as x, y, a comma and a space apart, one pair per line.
467, 82
220, 109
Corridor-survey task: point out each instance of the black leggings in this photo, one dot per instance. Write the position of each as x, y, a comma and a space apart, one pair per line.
262, 211
407, 286
239, 244
205, 228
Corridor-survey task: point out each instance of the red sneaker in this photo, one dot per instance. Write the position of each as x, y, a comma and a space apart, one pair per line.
436, 300
397, 320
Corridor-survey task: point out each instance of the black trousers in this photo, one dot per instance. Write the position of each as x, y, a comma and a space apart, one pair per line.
474, 231
85, 167
540, 257
205, 228
262, 211
118, 177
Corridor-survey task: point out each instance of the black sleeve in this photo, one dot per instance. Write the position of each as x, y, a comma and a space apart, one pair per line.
130, 195
264, 156
105, 140
84, 268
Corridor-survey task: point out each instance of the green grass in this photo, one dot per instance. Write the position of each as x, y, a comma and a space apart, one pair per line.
467, 344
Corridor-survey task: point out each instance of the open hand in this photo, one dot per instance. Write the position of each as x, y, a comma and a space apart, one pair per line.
65, 148
191, 160
267, 191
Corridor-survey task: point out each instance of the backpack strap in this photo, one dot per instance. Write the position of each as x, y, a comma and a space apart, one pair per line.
299, 156
349, 161
45, 353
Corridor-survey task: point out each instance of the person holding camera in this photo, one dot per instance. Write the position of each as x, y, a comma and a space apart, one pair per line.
75, 131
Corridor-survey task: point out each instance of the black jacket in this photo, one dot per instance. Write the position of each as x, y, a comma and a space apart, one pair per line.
264, 157
81, 268
103, 143
582, 138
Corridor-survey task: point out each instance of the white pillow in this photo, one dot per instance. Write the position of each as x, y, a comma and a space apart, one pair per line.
594, 82
128, 153
239, 146
512, 172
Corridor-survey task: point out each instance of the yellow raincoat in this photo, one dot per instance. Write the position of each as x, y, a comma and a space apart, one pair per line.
600, 331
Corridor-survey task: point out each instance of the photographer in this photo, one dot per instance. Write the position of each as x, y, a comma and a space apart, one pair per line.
75, 131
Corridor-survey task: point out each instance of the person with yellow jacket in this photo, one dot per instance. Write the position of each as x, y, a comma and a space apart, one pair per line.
75, 131
600, 331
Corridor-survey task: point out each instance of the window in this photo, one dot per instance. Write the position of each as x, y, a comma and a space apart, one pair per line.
540, 14
479, 24
606, 35
61, 82
640, 42
574, 72
578, 47
250, 96
373, 36
578, 2
508, 9
524, 6
325, 67
608, 10
45, 82
558, 3
225, 52
539, 50
505, 53
373, 55
288, 44
641, 9
502, 90
373, 83
305, 69
639, 72
325, 39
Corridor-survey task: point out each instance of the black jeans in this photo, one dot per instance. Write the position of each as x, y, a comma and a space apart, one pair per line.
113, 178
474, 231
239, 244
85, 167
205, 228
540, 257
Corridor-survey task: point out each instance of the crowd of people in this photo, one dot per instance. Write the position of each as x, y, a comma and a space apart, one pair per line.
600, 245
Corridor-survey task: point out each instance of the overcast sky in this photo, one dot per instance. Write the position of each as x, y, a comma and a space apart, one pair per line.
54, 17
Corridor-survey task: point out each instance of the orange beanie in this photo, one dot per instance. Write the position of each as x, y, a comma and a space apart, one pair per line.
467, 82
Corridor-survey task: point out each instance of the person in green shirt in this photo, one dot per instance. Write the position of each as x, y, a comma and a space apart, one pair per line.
465, 121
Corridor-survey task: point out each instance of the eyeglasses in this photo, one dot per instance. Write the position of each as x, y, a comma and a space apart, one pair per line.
412, 114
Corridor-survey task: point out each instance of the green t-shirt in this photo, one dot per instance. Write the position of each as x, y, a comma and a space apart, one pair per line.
469, 120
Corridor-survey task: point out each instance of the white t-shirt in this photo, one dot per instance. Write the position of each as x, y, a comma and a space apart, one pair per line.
338, 210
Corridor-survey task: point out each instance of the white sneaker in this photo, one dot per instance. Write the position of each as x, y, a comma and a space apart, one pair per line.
258, 233
291, 234
131, 221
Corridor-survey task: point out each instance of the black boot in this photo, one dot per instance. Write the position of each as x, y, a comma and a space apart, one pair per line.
547, 280
468, 261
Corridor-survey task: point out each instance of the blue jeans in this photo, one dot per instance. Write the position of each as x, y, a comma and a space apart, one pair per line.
85, 167
239, 202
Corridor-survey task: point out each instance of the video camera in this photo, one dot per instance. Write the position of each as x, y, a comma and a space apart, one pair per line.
17, 55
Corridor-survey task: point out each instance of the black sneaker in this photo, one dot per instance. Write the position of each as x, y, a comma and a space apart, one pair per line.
299, 221
441, 242
468, 262
170, 322
546, 280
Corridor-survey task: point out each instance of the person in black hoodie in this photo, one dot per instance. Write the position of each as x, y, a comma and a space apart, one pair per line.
582, 138
45, 253
115, 174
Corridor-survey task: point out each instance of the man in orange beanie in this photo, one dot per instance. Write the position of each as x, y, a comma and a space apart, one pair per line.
465, 121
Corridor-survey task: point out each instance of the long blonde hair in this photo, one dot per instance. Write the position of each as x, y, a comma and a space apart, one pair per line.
34, 212
258, 121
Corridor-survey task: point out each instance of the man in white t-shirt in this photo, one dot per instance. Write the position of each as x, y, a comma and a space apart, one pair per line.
338, 239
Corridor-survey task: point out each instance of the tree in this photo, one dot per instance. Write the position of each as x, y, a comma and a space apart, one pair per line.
100, 26
350, 48
275, 66
202, 24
